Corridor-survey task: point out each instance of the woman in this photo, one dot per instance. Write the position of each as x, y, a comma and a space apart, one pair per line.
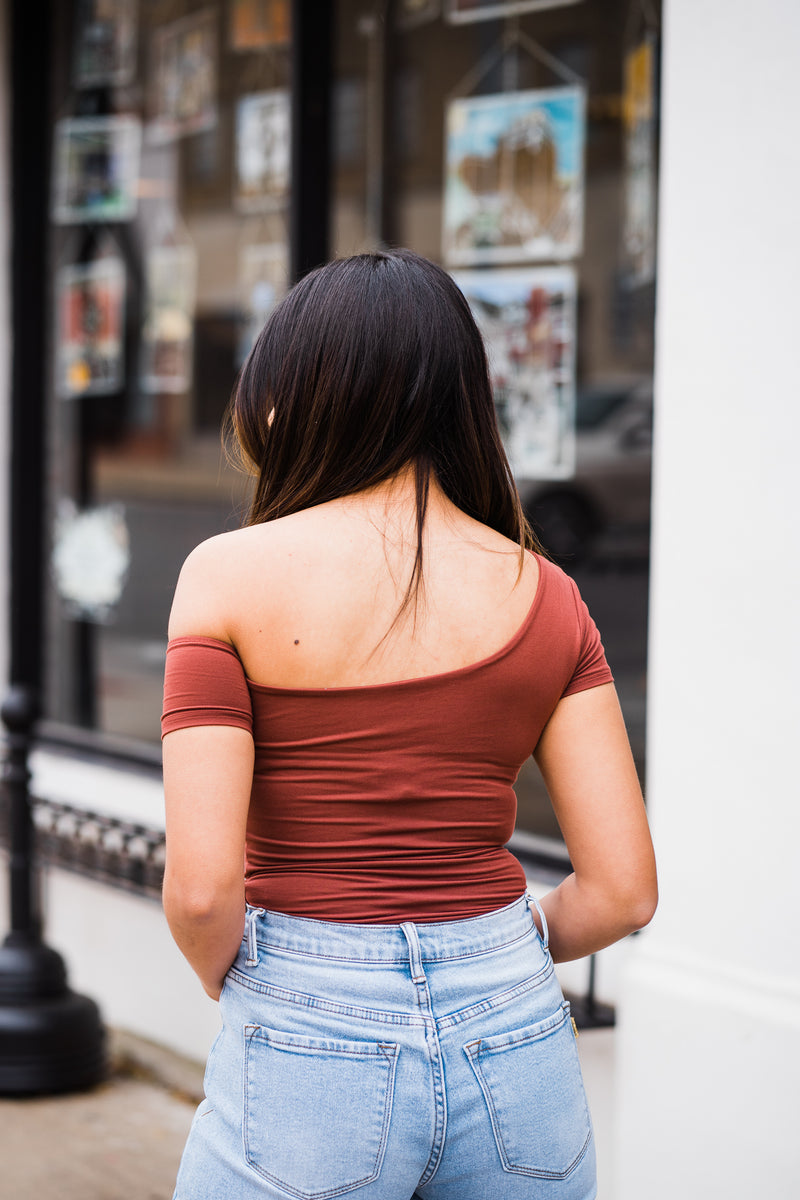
353, 682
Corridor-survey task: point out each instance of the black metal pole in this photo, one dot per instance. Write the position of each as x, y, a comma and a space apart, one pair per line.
311, 56
50, 1039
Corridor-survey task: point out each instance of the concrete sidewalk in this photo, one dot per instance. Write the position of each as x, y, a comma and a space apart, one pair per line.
123, 1139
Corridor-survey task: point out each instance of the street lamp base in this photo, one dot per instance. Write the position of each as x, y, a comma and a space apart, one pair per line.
51, 1040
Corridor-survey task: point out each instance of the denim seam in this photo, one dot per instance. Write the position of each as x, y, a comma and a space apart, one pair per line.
307, 1001
497, 1001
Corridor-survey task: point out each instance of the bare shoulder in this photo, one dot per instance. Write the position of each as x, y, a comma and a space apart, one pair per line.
211, 581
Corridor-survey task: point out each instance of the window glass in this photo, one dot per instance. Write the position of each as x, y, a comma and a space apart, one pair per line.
517, 145
169, 246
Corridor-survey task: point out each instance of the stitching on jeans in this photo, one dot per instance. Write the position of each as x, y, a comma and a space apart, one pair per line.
497, 1001
307, 1001
379, 962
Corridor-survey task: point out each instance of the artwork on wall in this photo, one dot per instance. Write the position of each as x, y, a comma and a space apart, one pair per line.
105, 47
168, 333
262, 150
96, 169
91, 326
184, 96
527, 318
486, 10
259, 24
514, 176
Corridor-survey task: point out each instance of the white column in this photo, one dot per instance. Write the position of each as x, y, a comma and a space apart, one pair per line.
709, 1034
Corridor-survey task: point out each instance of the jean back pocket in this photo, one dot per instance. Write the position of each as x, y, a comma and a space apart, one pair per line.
532, 1084
317, 1110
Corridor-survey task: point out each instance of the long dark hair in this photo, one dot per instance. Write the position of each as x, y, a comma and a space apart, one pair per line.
368, 365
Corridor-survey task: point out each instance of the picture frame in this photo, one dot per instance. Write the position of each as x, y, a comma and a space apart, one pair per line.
96, 169
527, 317
90, 338
514, 176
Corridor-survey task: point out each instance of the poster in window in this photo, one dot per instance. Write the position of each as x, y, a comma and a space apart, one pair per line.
262, 150
527, 318
168, 334
263, 281
96, 169
105, 50
514, 176
486, 10
91, 325
639, 113
184, 100
259, 24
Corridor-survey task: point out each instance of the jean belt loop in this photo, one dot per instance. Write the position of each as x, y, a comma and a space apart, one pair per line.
545, 930
250, 932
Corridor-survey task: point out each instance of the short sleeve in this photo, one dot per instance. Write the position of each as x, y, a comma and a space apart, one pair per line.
204, 684
591, 668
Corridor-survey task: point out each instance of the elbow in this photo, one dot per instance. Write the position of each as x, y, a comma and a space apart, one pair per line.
195, 903
639, 905
644, 910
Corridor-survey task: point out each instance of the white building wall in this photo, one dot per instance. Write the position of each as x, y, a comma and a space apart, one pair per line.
709, 1033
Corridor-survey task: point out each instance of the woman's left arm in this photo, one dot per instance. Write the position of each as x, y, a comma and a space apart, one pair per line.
208, 772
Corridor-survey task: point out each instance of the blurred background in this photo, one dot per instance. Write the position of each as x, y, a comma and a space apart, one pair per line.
610, 183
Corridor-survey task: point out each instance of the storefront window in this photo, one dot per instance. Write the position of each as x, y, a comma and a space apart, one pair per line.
169, 246
515, 143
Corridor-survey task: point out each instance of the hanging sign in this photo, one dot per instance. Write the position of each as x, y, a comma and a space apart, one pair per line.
514, 176
184, 100
91, 323
105, 51
168, 333
96, 169
262, 150
527, 319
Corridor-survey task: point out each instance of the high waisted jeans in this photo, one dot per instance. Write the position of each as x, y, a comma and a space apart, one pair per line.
385, 1062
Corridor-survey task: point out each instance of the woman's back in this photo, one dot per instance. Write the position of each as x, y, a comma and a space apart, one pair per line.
315, 599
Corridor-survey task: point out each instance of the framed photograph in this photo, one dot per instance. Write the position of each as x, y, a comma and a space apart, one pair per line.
90, 337
168, 334
96, 169
263, 281
262, 150
639, 112
527, 318
184, 99
259, 24
459, 11
514, 176
105, 49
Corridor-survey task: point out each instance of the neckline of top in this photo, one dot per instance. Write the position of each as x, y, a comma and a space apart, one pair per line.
543, 564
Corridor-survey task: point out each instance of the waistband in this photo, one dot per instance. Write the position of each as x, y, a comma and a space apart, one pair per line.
437, 941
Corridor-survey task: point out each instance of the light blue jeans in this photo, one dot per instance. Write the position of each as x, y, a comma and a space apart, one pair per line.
392, 1061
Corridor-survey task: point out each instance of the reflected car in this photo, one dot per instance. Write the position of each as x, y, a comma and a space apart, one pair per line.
605, 507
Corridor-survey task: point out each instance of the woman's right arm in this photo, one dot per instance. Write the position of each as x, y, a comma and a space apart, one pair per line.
586, 762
